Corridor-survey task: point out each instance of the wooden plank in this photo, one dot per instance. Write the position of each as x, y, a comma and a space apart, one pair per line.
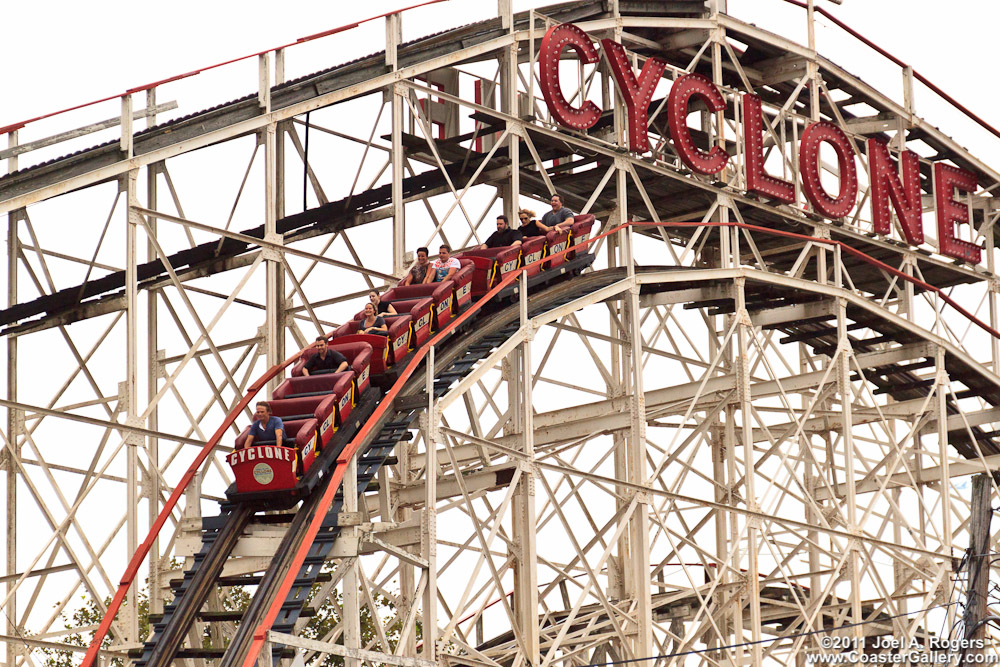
84, 131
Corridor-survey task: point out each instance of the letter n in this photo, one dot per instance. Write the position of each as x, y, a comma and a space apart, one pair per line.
886, 187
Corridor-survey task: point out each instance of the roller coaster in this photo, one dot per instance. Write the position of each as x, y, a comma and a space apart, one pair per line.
770, 346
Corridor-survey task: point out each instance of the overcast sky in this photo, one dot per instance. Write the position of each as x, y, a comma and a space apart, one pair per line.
62, 54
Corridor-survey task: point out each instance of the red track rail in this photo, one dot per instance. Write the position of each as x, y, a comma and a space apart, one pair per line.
260, 634
128, 577
137, 559
177, 77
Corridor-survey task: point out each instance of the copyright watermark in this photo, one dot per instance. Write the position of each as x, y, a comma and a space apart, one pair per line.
893, 651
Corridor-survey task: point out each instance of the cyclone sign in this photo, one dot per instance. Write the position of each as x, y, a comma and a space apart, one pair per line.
894, 187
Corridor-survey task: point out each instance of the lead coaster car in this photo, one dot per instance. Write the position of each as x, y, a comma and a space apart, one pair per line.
268, 467
309, 421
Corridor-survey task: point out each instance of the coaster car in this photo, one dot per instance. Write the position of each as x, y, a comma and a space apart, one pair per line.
580, 232
359, 356
532, 250
449, 296
419, 310
311, 409
491, 266
388, 349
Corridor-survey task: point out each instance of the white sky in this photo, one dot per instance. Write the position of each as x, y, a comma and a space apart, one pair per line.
62, 54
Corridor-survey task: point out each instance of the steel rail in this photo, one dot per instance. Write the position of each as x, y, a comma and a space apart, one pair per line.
351, 448
140, 555
199, 587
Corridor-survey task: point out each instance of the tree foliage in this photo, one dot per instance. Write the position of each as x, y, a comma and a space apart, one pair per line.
320, 626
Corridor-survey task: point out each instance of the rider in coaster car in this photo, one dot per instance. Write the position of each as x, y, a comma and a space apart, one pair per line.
444, 267
325, 360
265, 428
380, 307
418, 272
529, 225
373, 322
559, 218
504, 236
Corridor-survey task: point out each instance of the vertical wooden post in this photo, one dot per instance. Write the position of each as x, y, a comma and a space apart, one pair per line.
977, 596
428, 529
14, 417
524, 520
152, 376
393, 37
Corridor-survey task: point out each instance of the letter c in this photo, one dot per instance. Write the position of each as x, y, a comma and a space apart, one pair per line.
556, 39
678, 103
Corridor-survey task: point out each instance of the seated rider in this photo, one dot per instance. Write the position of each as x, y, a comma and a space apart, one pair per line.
444, 267
265, 428
560, 217
381, 307
529, 225
325, 360
504, 236
373, 322
418, 272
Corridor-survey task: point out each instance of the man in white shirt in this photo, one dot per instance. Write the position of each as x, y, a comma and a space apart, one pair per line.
444, 267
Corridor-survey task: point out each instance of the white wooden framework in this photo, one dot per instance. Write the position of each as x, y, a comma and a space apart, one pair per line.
743, 443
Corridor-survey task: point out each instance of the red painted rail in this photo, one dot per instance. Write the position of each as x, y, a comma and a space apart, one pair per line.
128, 577
177, 77
260, 634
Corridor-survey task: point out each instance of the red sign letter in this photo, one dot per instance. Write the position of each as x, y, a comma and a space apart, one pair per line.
905, 196
637, 94
758, 180
949, 211
556, 39
815, 135
684, 88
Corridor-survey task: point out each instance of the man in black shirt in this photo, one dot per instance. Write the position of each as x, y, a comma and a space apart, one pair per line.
504, 236
325, 360
560, 217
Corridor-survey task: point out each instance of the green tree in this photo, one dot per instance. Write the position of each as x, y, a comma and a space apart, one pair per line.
326, 619
90, 615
